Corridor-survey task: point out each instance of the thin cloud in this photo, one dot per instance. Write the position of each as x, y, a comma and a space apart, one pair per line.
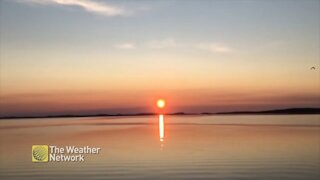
213, 47
166, 43
87, 5
125, 46
171, 43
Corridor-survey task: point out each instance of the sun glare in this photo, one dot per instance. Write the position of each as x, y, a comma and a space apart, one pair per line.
161, 103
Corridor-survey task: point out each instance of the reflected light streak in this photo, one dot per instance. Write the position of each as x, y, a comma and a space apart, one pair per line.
161, 127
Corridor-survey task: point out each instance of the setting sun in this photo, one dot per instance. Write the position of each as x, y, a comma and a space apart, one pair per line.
161, 103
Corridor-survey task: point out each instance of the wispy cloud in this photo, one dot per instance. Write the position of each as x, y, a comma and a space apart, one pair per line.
171, 43
166, 43
125, 46
213, 47
87, 5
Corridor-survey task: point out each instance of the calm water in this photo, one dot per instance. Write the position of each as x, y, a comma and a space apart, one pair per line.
169, 147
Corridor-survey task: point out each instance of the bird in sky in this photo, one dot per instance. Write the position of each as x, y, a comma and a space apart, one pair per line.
313, 68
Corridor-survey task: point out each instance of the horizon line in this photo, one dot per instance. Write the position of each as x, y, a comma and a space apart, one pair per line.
282, 111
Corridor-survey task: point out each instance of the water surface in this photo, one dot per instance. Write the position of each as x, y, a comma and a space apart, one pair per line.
189, 147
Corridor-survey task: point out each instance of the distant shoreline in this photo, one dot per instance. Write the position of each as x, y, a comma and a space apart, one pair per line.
278, 111
288, 111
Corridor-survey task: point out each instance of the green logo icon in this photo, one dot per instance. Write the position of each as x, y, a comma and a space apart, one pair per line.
40, 153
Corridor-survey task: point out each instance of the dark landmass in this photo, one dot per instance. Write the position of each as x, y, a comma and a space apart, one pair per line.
279, 111
268, 112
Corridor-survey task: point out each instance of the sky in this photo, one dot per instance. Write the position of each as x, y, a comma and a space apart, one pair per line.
120, 56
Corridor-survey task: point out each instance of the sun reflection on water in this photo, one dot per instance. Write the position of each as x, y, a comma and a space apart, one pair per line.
161, 127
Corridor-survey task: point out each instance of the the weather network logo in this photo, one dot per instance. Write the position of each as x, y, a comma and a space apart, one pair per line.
40, 153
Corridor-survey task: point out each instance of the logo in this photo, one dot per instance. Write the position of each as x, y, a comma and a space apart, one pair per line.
51, 153
40, 153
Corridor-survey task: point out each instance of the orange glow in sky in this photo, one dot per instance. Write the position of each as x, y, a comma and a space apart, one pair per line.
175, 67
161, 103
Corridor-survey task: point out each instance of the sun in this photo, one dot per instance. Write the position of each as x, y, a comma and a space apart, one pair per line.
161, 103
